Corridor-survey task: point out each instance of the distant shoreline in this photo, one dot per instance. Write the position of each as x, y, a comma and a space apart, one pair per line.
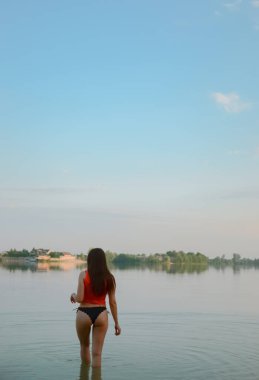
123, 259
36, 260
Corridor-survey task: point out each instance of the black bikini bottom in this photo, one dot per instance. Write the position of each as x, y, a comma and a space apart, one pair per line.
92, 312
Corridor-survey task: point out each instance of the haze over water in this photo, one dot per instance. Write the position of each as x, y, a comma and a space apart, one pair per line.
180, 326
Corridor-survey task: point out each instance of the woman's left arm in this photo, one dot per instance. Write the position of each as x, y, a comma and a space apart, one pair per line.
79, 296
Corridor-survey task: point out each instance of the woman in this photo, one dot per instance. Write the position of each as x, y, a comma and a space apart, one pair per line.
93, 286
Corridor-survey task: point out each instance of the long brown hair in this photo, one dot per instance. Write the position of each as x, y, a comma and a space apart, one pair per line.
102, 280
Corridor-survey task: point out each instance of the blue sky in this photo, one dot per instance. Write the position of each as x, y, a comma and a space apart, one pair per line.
130, 125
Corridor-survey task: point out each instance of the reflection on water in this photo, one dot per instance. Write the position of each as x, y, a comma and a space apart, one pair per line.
187, 268
40, 266
165, 267
236, 267
13, 265
85, 370
44, 266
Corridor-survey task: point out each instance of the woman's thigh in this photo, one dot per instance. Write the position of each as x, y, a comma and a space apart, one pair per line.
83, 327
99, 331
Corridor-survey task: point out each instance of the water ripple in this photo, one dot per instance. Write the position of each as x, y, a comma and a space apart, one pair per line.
152, 346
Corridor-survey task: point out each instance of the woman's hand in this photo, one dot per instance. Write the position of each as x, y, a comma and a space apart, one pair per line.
73, 298
117, 329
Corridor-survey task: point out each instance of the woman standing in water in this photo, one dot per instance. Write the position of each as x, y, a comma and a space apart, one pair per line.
93, 286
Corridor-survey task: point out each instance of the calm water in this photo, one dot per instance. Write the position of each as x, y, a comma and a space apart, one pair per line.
175, 326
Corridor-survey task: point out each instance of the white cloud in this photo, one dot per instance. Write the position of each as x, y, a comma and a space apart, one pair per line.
230, 102
255, 3
234, 5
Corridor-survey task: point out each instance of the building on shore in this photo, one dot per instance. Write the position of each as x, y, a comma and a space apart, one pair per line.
56, 256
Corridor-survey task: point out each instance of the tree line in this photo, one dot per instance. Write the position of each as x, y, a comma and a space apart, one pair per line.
177, 257
13, 253
168, 258
236, 260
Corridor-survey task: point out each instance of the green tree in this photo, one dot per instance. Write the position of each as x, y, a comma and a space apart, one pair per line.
236, 258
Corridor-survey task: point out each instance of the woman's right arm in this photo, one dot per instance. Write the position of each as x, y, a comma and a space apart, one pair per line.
114, 311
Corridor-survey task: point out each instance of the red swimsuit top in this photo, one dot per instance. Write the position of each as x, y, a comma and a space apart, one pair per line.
89, 296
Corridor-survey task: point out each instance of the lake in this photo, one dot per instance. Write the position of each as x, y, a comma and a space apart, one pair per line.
198, 325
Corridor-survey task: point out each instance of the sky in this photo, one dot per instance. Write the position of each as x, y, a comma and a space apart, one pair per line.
130, 125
